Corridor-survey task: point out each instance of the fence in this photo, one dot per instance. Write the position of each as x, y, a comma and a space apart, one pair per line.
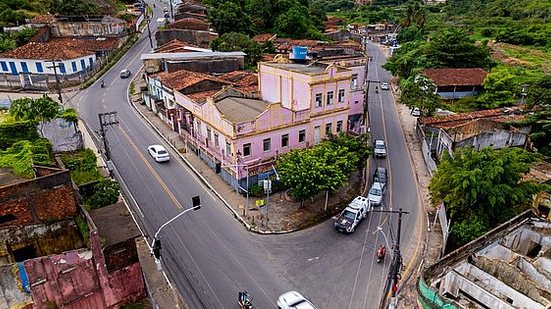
425, 149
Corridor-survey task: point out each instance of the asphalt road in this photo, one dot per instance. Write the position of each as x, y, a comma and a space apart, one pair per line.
209, 255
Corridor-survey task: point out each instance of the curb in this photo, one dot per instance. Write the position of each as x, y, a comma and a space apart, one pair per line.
196, 172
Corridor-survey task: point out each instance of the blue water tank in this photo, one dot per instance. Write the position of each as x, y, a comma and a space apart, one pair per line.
299, 52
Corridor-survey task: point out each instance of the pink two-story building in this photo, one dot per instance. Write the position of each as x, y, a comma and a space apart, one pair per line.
241, 132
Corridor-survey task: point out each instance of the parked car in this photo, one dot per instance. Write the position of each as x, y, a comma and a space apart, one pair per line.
385, 86
379, 148
380, 176
125, 73
352, 215
376, 194
159, 153
293, 300
416, 112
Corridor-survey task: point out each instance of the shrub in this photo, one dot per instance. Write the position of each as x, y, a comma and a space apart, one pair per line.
106, 193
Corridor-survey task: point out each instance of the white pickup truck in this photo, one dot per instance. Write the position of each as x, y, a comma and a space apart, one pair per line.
352, 215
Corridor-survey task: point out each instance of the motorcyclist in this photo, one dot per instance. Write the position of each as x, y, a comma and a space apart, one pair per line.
381, 252
102, 84
245, 300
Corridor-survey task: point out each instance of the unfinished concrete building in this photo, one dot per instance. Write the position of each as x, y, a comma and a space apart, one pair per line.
509, 267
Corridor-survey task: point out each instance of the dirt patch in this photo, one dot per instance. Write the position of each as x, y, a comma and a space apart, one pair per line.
285, 214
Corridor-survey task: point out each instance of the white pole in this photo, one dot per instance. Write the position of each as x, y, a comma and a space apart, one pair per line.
326, 199
168, 222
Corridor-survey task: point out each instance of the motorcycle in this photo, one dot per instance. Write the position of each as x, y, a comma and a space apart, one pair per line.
381, 252
245, 300
376, 89
102, 84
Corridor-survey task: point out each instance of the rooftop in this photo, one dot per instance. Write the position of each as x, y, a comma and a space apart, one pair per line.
243, 81
114, 223
456, 77
64, 48
239, 110
313, 68
504, 114
506, 268
264, 37
176, 46
189, 23
183, 79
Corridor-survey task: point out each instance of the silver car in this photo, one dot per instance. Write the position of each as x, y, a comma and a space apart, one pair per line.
385, 86
125, 73
376, 194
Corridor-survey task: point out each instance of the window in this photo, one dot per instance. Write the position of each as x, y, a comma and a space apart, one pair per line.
82, 64
318, 99
198, 127
356, 102
328, 129
301, 136
247, 149
91, 60
39, 67
209, 137
61, 68
74, 66
266, 144
284, 140
354, 83
216, 141
339, 126
4, 66
330, 98
341, 95
228, 148
24, 67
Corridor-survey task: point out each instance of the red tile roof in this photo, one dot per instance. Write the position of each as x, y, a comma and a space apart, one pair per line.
189, 23
183, 79
506, 114
243, 81
61, 48
261, 38
43, 19
456, 77
174, 46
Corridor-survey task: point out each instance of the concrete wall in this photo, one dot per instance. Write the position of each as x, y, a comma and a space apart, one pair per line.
208, 66
41, 200
63, 135
88, 28
197, 37
12, 66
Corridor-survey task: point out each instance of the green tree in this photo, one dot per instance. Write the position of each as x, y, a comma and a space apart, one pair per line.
539, 93
415, 14
482, 189
539, 100
409, 34
74, 7
233, 41
420, 92
408, 60
452, 48
229, 17
293, 23
500, 87
106, 192
38, 110
7, 43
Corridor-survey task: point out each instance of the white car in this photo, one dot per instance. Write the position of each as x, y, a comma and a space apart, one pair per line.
158, 153
416, 112
379, 148
385, 86
376, 193
125, 73
293, 300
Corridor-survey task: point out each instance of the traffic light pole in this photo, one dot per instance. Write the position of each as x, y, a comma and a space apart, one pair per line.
156, 243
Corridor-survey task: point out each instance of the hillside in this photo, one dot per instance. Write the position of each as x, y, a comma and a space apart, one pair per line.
14, 12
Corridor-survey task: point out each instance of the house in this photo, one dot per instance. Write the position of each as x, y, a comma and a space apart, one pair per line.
487, 128
508, 267
36, 63
240, 132
456, 83
54, 254
540, 172
190, 24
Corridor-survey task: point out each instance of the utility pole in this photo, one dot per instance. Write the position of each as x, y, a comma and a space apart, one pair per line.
171, 11
58, 86
149, 32
394, 274
107, 120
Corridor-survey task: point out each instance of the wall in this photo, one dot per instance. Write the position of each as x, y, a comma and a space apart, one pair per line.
88, 28
201, 38
208, 65
41, 200
63, 135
